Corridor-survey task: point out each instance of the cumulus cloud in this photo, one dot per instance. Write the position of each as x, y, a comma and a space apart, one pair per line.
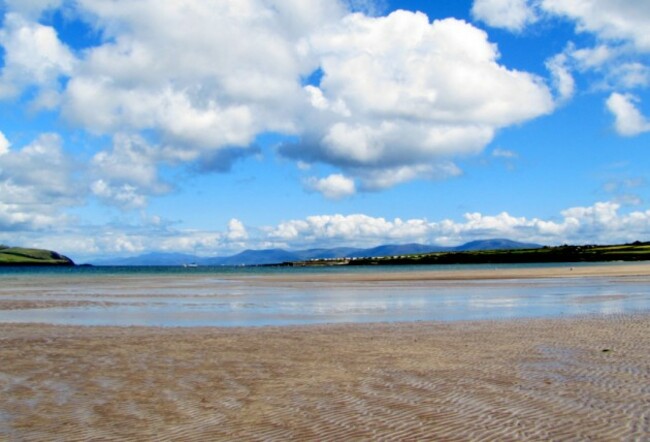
618, 25
34, 56
122, 195
629, 121
513, 15
614, 20
236, 231
600, 223
204, 76
616, 68
355, 229
399, 93
36, 182
335, 186
399, 97
126, 174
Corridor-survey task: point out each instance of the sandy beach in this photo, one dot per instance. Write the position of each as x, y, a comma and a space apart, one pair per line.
578, 379
581, 378
496, 273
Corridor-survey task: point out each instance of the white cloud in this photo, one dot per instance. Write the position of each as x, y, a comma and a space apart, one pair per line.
121, 195
335, 186
32, 8
202, 75
613, 20
600, 223
204, 78
617, 67
378, 179
618, 25
33, 56
127, 173
628, 119
4, 144
629, 75
401, 93
355, 229
591, 58
205, 94
236, 231
562, 79
130, 160
513, 15
400, 55
36, 183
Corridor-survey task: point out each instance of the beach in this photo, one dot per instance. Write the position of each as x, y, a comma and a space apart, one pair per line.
584, 377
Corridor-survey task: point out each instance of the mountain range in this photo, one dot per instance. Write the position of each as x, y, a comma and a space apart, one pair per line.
277, 256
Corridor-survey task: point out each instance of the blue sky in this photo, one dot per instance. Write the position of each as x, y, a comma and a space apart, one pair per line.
212, 126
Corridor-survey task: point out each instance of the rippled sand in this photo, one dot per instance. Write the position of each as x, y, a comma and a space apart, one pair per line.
551, 379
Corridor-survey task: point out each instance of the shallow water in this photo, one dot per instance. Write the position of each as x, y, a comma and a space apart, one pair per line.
154, 298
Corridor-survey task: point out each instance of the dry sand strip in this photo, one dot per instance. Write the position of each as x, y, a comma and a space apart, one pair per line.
549, 379
460, 273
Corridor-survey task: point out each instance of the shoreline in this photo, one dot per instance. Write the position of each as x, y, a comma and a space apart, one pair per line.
458, 274
580, 377
232, 300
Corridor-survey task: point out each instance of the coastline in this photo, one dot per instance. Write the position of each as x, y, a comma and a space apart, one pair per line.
580, 270
540, 379
175, 298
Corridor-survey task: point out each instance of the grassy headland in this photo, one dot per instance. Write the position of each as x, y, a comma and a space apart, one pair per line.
638, 251
18, 256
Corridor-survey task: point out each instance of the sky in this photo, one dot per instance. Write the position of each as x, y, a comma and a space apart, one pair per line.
213, 126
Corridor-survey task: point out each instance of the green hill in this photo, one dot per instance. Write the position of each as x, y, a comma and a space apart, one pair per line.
18, 256
638, 251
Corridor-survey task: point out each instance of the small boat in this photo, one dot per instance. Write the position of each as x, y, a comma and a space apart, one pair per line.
190, 265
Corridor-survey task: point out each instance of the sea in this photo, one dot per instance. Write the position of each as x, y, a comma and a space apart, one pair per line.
176, 296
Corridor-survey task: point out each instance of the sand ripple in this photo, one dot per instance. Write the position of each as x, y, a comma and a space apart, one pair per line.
578, 379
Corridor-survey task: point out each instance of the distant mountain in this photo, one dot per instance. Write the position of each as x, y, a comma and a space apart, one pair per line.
276, 256
495, 244
255, 257
150, 259
398, 249
338, 252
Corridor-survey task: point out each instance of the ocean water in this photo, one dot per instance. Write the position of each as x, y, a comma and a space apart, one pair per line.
89, 271
241, 296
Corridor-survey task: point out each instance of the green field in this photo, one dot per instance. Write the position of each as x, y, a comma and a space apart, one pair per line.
18, 256
637, 251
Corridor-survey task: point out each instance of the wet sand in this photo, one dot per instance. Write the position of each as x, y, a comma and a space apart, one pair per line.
584, 378
552, 379
458, 274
